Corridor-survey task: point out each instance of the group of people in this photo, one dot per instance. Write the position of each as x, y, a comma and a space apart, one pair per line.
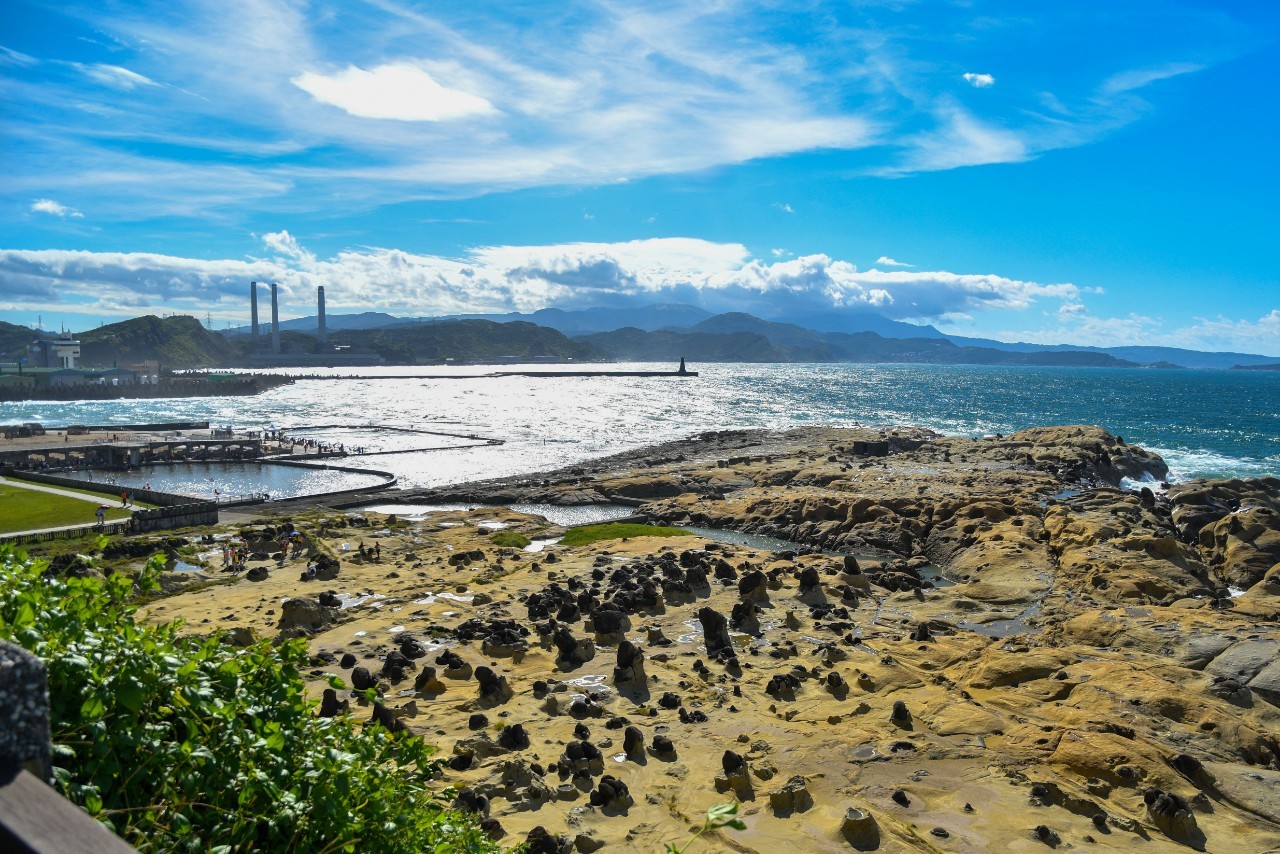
320, 447
235, 556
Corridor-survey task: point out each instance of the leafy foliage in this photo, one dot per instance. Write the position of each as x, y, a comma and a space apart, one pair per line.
187, 744
718, 816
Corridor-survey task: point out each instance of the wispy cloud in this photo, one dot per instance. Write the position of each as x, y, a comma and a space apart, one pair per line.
49, 206
886, 261
1138, 78
384, 101
114, 76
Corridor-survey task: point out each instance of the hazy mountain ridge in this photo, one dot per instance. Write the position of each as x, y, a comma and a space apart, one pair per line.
468, 340
793, 338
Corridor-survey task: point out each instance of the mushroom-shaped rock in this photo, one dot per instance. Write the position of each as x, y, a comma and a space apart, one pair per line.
663, 748
792, 797
306, 614
754, 586
1171, 813
493, 688
860, 830
630, 666
513, 737
783, 686
427, 682
744, 619
541, 841
611, 795
455, 666
736, 776
633, 743
469, 800
715, 632
609, 622
383, 717
582, 757
571, 651
329, 705
362, 679
810, 591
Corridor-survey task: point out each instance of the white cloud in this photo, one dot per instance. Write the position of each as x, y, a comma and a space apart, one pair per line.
886, 261
1260, 336
283, 243
115, 76
397, 90
979, 81
785, 208
49, 206
718, 276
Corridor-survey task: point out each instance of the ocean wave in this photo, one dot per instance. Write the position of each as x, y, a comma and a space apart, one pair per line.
1190, 463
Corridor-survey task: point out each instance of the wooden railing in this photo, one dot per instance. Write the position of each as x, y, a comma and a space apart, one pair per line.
33, 817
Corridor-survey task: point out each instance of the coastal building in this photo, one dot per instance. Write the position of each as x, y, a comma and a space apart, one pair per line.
60, 352
68, 377
148, 372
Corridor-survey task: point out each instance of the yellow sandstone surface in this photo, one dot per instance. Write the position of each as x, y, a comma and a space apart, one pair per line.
1018, 654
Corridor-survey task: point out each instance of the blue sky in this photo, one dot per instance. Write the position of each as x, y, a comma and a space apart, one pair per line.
1088, 172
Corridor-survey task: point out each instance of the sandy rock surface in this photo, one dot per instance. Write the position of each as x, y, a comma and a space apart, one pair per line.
975, 645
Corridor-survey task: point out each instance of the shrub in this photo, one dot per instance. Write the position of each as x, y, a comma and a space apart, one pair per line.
509, 539
183, 743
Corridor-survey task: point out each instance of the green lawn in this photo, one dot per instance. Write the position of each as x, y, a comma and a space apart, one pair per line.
104, 497
617, 530
28, 509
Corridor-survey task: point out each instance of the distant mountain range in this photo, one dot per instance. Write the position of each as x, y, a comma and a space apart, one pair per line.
663, 333
669, 331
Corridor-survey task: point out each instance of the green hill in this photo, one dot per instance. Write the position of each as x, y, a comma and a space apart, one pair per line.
14, 340
176, 342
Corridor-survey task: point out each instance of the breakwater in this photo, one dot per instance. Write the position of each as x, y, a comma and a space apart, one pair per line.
166, 388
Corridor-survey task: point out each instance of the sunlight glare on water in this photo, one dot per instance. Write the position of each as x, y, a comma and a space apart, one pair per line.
1205, 423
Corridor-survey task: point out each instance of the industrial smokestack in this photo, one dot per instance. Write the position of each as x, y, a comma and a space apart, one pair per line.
275, 318
320, 324
253, 315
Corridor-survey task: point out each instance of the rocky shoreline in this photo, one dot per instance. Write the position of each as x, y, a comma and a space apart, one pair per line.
975, 644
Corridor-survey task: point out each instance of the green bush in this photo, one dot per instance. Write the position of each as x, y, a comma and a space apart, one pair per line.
617, 530
509, 539
187, 744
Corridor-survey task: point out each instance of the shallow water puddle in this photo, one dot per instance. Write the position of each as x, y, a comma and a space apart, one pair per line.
354, 600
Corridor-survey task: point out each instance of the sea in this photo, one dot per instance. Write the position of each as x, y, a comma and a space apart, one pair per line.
433, 432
